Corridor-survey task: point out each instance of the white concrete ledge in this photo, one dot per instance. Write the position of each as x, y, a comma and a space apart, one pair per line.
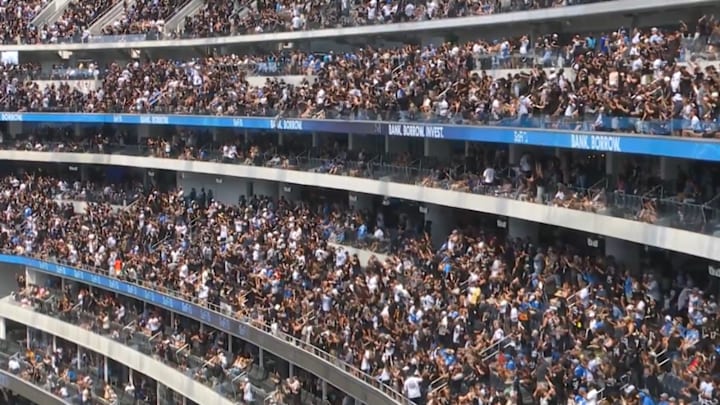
28, 390
618, 7
125, 355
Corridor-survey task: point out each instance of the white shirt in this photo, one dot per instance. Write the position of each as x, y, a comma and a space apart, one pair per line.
412, 387
489, 175
410, 10
326, 301
372, 11
248, 395
592, 397
695, 124
525, 163
706, 389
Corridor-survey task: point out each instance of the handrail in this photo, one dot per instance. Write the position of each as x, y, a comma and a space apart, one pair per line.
671, 213
713, 202
667, 208
130, 326
596, 186
653, 190
390, 396
27, 389
494, 348
570, 300
125, 354
497, 343
269, 398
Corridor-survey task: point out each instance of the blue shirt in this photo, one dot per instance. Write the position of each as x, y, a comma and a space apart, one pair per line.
692, 334
362, 231
628, 286
580, 372
646, 400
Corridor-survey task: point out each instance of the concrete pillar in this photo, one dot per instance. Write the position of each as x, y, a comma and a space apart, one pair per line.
395, 144
442, 221
148, 178
514, 154
669, 168
623, 251
36, 277
15, 128
280, 139
564, 157
351, 142
467, 148
360, 201
314, 140
519, 228
3, 332
265, 188
143, 131
290, 192
612, 164
437, 148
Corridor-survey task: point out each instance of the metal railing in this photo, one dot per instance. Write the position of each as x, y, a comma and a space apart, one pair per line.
392, 395
487, 354
10, 350
676, 212
130, 335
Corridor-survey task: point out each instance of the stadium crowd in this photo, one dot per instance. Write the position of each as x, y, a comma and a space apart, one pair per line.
58, 368
198, 352
143, 17
237, 18
634, 190
627, 80
480, 319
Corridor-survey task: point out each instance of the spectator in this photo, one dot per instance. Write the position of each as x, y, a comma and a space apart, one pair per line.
646, 88
476, 309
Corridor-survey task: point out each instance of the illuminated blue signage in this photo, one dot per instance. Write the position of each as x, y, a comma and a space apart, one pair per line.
700, 149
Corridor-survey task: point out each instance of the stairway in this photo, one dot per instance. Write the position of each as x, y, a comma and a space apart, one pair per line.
175, 22
108, 18
50, 13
